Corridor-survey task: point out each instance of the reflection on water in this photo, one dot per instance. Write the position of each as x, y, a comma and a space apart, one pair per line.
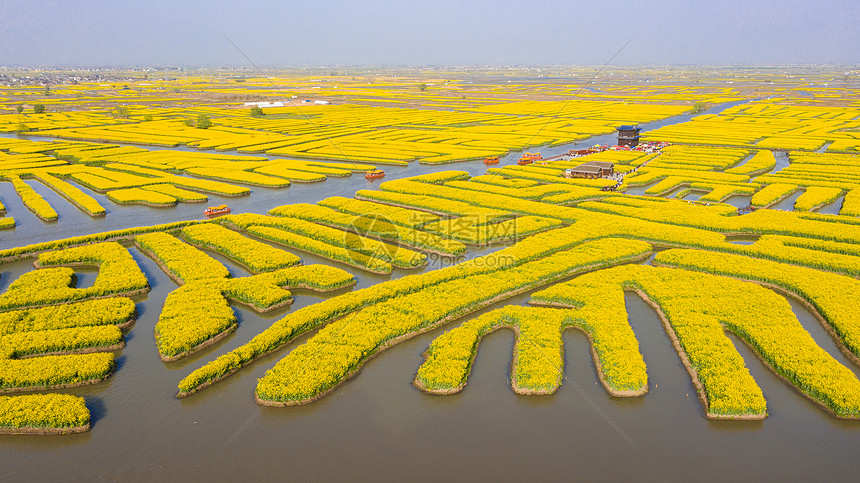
694, 195
742, 240
738, 201
832, 208
639, 190
787, 204
85, 276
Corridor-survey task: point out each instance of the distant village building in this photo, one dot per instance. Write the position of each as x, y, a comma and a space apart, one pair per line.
265, 104
628, 135
591, 169
583, 171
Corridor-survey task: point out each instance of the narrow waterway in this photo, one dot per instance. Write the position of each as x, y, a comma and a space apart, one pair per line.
832, 208
782, 161
787, 203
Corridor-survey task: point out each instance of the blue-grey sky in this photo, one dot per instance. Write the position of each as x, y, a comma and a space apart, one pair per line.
440, 32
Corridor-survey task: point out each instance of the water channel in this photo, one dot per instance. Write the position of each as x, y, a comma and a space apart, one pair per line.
377, 426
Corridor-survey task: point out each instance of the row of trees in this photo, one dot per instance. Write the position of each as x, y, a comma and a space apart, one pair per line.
203, 122
699, 106
122, 112
37, 108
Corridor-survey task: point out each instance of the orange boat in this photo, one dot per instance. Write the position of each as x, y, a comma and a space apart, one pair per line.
529, 158
217, 210
491, 160
376, 173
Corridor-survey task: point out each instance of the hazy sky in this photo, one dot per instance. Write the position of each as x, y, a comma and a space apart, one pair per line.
326, 32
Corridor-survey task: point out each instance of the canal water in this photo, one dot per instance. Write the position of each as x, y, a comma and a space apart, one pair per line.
377, 426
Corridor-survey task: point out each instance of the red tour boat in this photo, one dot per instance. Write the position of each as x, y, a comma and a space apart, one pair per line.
217, 210
529, 158
376, 173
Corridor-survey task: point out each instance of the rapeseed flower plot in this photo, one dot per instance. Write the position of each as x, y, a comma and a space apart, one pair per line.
339, 349
329, 242
55, 371
295, 324
180, 260
43, 414
525, 192
662, 212
85, 202
486, 200
539, 348
431, 204
26, 251
762, 162
441, 213
193, 315
258, 257
767, 124
801, 361
239, 176
544, 174
405, 217
503, 182
820, 254
851, 203
473, 230
772, 194
68, 333
694, 307
816, 287
33, 200
109, 311
370, 227
128, 196
178, 193
118, 275
69, 340
198, 314
324, 249
718, 192
815, 197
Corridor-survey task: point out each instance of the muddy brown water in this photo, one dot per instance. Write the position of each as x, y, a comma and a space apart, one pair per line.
377, 426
